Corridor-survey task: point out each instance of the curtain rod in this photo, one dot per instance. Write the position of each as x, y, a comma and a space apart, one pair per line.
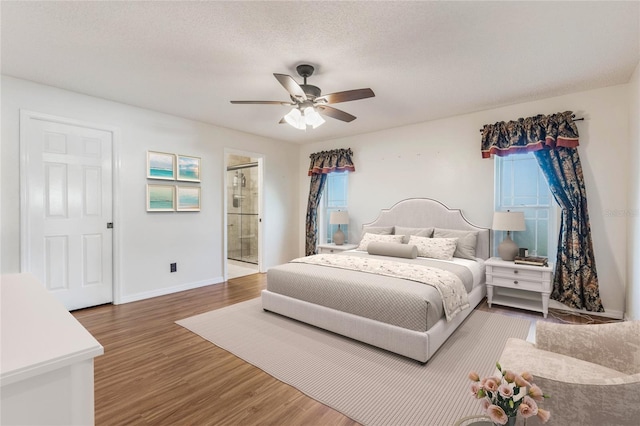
574, 119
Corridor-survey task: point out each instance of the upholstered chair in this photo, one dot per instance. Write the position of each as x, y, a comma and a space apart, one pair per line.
591, 372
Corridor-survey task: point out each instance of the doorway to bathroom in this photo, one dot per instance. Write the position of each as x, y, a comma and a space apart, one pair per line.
243, 215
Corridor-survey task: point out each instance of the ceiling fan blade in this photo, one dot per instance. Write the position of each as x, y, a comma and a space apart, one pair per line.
335, 113
263, 102
291, 86
346, 96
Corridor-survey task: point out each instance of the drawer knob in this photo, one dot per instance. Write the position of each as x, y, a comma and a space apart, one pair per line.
515, 271
515, 282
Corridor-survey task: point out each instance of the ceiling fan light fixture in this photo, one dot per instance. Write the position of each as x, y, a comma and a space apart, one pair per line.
312, 117
295, 119
307, 99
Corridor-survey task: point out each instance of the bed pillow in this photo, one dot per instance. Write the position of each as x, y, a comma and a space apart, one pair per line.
392, 249
467, 241
368, 238
381, 230
408, 232
435, 248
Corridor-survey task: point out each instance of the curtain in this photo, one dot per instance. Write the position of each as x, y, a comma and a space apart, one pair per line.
529, 134
554, 140
315, 193
575, 283
322, 163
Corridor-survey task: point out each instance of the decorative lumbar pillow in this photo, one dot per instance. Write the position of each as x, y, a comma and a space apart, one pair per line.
368, 238
408, 232
435, 248
467, 241
392, 249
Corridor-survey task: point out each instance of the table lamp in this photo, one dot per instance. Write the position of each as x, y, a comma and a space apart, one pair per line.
339, 217
508, 221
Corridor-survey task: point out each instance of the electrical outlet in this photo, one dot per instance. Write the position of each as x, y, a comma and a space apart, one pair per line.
174, 267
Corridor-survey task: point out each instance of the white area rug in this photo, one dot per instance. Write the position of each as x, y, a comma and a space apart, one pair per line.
369, 385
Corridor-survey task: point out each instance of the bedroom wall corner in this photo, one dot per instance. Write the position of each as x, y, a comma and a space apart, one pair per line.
633, 211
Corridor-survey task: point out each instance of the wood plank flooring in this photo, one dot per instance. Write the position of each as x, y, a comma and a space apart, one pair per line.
154, 372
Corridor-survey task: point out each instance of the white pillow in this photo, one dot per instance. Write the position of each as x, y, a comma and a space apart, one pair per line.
408, 232
467, 241
435, 248
369, 238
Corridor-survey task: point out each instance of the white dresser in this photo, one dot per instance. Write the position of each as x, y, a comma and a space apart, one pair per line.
519, 286
46, 373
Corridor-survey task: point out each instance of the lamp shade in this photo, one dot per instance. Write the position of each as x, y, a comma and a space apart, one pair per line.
508, 221
295, 119
312, 117
339, 217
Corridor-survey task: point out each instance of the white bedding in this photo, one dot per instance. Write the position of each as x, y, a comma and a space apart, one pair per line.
452, 291
477, 267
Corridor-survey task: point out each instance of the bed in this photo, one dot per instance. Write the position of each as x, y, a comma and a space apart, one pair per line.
398, 313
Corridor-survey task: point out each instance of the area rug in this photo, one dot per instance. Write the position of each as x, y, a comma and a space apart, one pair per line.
369, 385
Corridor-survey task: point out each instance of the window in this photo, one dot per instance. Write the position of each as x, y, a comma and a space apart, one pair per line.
521, 186
334, 198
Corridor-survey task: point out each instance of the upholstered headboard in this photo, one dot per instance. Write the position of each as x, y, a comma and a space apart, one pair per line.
425, 212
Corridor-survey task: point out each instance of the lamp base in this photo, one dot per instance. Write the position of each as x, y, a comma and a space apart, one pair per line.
508, 249
338, 237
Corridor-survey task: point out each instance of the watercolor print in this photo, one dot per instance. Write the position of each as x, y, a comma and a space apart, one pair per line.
161, 165
188, 168
188, 198
161, 198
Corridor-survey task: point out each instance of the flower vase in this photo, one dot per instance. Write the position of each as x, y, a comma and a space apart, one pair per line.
511, 421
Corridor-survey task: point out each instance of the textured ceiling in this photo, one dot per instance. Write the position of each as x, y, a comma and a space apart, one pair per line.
424, 60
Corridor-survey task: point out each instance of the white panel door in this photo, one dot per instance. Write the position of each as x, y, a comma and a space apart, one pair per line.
67, 194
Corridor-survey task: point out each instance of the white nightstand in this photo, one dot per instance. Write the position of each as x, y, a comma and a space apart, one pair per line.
519, 286
332, 248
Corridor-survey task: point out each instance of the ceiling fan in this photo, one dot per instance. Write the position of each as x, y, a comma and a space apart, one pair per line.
308, 103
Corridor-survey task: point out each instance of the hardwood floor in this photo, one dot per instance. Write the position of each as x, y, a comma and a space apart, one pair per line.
154, 372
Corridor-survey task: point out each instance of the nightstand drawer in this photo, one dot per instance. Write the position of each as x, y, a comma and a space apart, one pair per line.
333, 248
518, 282
517, 273
324, 250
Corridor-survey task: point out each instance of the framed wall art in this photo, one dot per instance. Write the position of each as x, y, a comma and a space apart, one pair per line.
188, 198
161, 165
161, 198
188, 168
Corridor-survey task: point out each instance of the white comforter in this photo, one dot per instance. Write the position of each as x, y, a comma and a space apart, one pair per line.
449, 286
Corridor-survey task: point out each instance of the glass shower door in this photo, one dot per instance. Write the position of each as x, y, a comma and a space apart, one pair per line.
242, 213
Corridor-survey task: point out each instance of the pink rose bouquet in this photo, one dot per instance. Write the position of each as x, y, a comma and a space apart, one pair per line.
508, 395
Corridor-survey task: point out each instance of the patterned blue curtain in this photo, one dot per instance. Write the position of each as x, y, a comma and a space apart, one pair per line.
554, 140
315, 193
575, 282
322, 163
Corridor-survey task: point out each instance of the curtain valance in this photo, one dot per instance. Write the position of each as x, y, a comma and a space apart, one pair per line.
331, 161
529, 134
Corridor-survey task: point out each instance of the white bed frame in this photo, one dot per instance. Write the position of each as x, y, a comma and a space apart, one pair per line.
414, 213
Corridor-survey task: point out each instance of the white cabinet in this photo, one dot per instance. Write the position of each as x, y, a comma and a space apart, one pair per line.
519, 286
46, 374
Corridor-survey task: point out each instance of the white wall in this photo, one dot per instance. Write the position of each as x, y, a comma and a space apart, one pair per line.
441, 159
148, 242
633, 216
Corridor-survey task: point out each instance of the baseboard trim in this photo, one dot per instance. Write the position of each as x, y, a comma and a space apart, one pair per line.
170, 290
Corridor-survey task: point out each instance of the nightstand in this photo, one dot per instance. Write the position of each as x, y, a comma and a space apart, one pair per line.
519, 286
332, 248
